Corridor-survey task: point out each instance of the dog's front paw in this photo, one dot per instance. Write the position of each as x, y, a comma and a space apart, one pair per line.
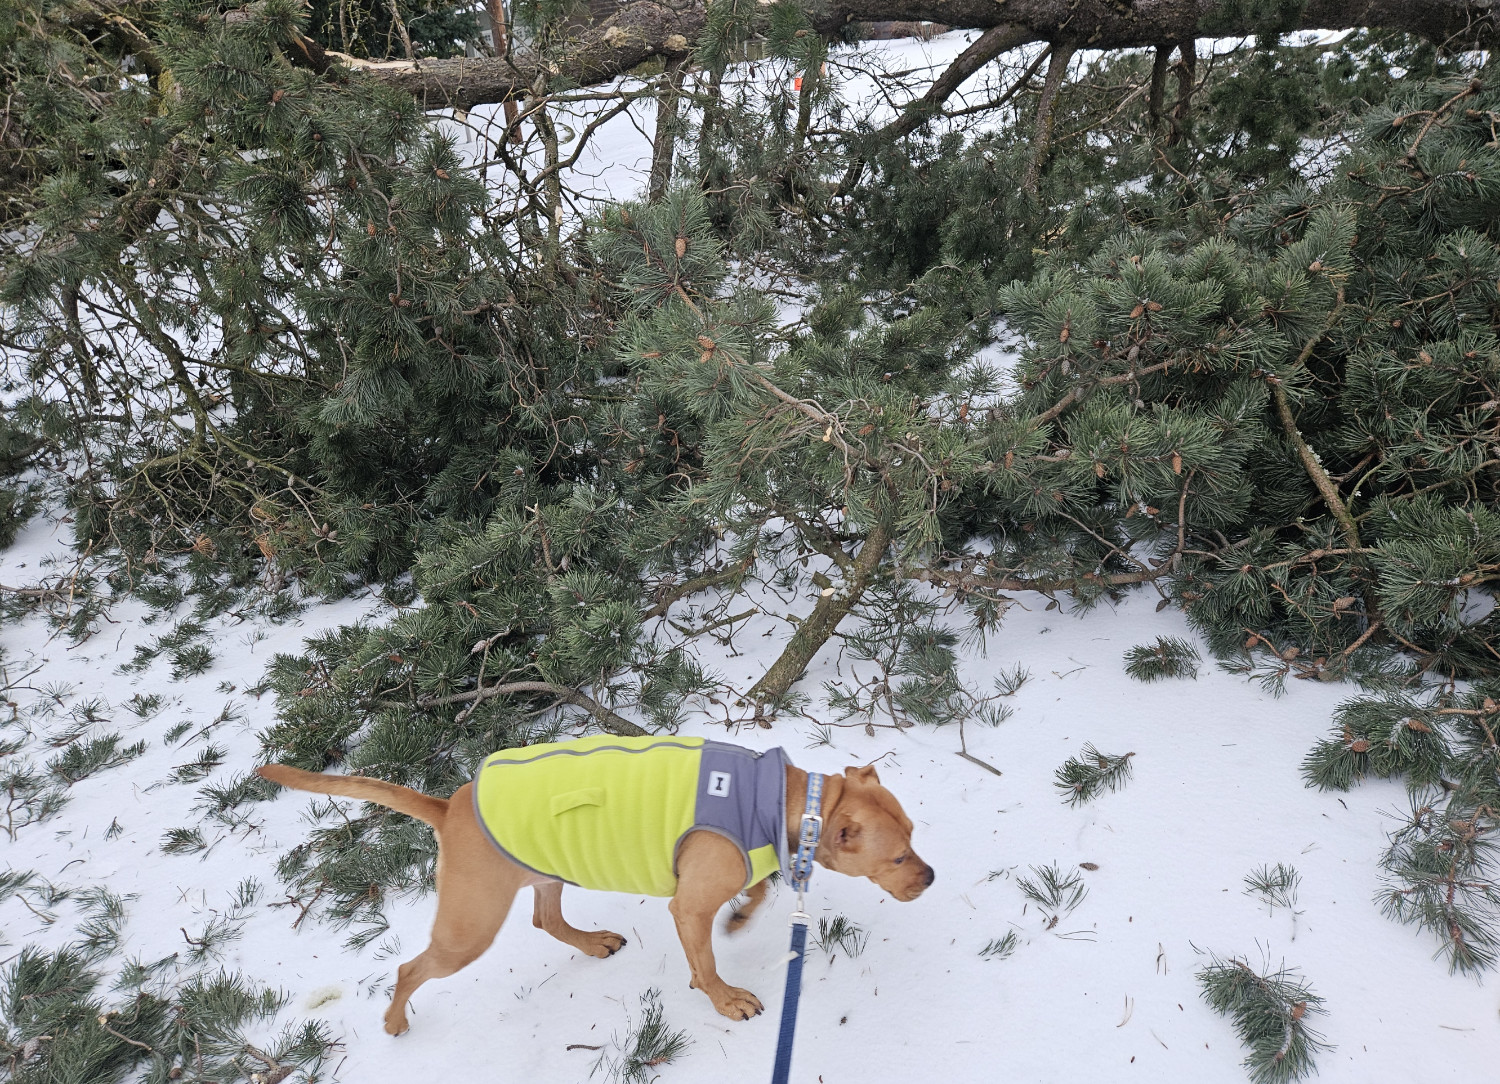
602, 943
395, 1023
737, 1004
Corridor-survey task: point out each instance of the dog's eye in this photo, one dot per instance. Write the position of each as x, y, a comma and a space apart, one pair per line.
901, 859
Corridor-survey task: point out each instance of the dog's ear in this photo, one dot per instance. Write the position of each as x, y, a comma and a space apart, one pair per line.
846, 833
862, 775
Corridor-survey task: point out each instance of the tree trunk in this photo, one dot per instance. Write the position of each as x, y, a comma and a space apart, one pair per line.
708, 129
500, 40
646, 28
1158, 96
664, 143
805, 93
818, 626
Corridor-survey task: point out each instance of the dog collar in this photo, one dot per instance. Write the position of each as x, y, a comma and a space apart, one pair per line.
809, 832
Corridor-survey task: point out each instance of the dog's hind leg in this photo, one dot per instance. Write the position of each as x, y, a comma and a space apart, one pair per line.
475, 888
547, 915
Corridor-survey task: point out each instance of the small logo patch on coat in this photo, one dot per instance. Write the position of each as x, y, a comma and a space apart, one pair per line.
718, 784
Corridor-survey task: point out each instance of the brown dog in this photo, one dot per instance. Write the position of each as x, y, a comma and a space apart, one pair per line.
865, 834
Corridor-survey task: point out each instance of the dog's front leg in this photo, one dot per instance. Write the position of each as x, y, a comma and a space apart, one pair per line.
755, 895
710, 873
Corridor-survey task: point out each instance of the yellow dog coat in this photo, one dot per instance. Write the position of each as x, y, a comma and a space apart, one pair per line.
610, 813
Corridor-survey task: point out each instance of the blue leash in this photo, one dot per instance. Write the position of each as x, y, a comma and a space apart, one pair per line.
808, 835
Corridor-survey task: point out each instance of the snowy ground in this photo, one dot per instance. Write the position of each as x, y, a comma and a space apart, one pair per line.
1109, 994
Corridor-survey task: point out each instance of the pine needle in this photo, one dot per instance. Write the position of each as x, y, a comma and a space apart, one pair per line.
1001, 948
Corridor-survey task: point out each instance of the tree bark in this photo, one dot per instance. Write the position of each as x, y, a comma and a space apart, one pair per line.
500, 41
810, 79
1187, 75
1041, 140
664, 140
818, 626
1159, 68
647, 28
708, 128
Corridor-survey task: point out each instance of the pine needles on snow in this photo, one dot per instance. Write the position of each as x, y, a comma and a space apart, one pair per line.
1270, 1011
1443, 875
183, 840
83, 758
1169, 657
648, 1044
1275, 885
839, 934
1442, 867
1001, 948
167, 1022
1086, 776
1057, 893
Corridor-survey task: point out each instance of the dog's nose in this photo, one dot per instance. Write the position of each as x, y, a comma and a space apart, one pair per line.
931, 876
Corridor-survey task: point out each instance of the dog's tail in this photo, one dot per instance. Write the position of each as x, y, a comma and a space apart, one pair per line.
402, 799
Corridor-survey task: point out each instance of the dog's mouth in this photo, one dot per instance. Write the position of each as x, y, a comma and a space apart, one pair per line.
906, 895
912, 891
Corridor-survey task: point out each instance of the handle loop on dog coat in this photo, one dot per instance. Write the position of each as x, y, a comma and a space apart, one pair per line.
810, 831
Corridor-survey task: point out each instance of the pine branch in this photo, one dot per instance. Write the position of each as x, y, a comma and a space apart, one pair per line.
1046, 115
667, 598
1442, 876
1310, 461
1085, 777
989, 45
1169, 657
606, 718
646, 1046
1270, 1013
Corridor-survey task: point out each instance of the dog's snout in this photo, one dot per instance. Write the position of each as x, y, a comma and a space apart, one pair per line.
929, 877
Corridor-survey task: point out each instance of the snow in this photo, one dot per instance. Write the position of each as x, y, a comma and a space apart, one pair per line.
1108, 994
616, 161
